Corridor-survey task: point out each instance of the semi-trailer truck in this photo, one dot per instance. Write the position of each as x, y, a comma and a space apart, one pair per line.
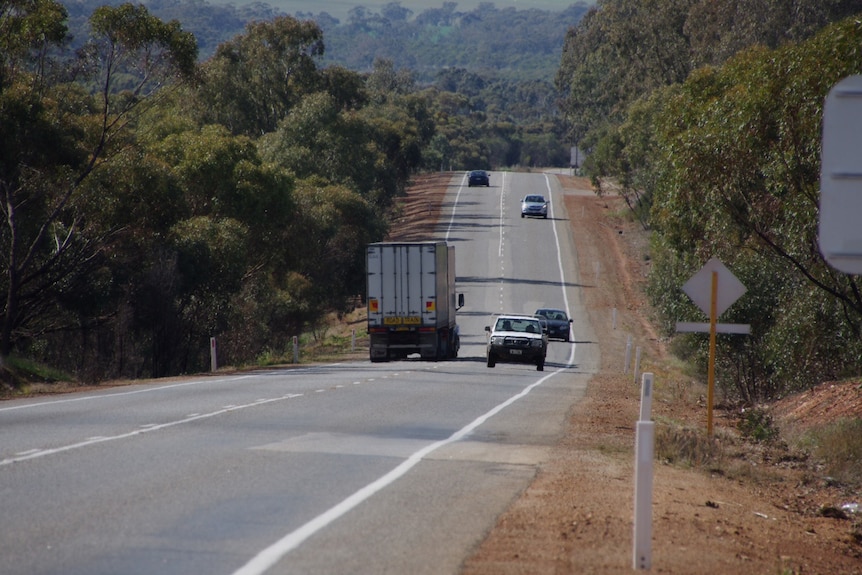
412, 301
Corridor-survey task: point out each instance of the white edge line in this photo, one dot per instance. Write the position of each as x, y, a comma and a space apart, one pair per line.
275, 552
571, 359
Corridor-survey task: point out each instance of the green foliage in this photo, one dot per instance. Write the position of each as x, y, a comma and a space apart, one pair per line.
757, 424
737, 177
57, 139
27, 28
722, 160
30, 371
253, 80
508, 80
522, 45
160, 212
621, 51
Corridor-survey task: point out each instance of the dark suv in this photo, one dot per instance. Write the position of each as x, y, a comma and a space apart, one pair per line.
478, 178
517, 339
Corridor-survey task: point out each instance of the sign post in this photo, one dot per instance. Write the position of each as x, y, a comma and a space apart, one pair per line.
713, 289
713, 319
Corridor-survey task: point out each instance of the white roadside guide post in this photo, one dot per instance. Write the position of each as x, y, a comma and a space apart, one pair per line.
714, 289
644, 448
840, 235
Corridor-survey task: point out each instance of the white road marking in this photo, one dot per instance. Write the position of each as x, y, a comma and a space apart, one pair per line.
275, 552
139, 431
122, 393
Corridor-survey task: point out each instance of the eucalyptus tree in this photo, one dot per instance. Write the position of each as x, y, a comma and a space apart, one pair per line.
62, 120
254, 80
235, 225
622, 50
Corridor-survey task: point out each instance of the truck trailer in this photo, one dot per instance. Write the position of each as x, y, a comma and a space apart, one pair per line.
412, 301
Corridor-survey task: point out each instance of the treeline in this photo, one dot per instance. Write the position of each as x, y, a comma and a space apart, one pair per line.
150, 202
489, 72
153, 199
707, 115
521, 45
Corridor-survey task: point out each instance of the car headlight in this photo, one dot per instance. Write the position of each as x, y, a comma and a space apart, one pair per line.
536, 343
496, 340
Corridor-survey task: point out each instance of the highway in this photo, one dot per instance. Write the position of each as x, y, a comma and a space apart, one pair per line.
349, 468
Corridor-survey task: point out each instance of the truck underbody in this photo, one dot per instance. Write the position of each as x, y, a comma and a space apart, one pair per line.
429, 343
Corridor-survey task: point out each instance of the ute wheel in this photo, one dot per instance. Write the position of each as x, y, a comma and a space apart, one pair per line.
491, 361
540, 366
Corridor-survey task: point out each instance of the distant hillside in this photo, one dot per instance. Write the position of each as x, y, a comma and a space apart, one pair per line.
508, 43
518, 44
341, 9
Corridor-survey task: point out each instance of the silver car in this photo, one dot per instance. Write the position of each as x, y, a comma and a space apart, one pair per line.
534, 205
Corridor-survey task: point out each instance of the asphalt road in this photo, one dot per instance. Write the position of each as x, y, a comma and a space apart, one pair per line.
352, 468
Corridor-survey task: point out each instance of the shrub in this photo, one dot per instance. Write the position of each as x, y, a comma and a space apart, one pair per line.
839, 446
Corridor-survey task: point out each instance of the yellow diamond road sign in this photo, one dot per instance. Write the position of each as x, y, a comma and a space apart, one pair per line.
699, 287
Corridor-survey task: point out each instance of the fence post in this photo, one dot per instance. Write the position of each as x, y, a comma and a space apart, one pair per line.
628, 354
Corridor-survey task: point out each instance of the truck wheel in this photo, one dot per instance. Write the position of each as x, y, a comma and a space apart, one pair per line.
540, 365
491, 361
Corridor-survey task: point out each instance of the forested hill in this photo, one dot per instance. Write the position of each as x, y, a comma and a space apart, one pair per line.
516, 44
508, 43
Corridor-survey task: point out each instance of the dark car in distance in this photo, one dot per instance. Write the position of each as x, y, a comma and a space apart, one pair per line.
478, 178
558, 323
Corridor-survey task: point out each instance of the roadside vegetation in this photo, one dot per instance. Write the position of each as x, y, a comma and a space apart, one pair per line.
711, 133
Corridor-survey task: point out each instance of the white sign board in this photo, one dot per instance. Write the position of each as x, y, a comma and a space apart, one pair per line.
841, 177
699, 287
699, 327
